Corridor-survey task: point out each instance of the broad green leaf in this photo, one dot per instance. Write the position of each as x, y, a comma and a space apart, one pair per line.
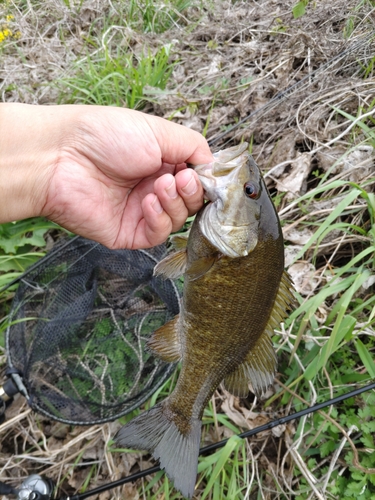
18, 262
12, 244
14, 235
299, 9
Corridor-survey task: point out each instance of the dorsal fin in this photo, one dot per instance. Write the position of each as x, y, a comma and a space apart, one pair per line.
284, 302
260, 364
258, 369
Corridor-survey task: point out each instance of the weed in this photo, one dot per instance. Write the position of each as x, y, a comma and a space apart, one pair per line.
6, 30
21, 245
121, 80
155, 17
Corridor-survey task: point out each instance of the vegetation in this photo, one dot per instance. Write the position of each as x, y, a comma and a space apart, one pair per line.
208, 66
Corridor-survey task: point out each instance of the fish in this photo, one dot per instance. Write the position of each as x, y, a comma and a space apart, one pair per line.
235, 294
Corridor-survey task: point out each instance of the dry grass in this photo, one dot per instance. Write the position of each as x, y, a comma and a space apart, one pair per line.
233, 59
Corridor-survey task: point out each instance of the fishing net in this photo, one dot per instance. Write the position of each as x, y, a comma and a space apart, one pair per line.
78, 327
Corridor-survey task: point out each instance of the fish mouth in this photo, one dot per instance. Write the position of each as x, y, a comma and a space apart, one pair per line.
204, 170
228, 155
214, 176
224, 161
228, 222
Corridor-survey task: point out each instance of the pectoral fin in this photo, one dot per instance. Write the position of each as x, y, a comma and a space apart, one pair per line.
179, 241
165, 343
172, 266
258, 369
200, 267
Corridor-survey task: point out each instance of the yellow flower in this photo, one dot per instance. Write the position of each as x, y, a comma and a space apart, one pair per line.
5, 32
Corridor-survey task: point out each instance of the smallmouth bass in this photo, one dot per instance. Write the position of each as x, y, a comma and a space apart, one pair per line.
236, 293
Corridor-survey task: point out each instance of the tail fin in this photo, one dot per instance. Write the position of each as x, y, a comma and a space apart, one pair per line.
177, 453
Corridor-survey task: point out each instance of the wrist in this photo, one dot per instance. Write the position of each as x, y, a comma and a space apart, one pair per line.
30, 143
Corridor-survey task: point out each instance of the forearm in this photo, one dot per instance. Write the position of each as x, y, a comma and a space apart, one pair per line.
30, 141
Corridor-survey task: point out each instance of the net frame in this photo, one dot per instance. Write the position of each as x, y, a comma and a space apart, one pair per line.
83, 282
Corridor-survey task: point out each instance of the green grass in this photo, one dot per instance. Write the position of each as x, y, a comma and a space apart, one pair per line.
324, 357
120, 79
155, 17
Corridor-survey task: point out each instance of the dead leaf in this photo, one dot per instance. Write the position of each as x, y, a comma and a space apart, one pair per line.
130, 492
58, 430
294, 181
190, 120
215, 65
298, 237
235, 416
93, 452
369, 282
105, 496
290, 254
284, 150
321, 314
357, 165
279, 430
303, 276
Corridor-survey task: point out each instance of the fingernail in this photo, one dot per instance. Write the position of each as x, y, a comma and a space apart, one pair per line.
171, 190
156, 205
191, 187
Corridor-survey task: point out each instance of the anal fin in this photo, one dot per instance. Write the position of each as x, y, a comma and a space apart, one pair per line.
164, 342
258, 369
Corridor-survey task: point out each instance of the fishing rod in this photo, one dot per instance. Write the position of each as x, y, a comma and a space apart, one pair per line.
37, 487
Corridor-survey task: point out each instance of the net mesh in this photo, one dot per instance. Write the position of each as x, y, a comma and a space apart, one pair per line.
79, 323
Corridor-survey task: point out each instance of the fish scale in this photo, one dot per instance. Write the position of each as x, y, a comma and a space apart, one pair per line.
235, 293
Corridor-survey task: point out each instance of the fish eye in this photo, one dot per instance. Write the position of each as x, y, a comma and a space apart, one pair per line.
250, 190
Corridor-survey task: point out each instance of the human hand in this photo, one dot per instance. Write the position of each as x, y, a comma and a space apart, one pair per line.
118, 176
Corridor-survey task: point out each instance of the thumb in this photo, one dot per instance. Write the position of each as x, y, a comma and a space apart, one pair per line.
179, 144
